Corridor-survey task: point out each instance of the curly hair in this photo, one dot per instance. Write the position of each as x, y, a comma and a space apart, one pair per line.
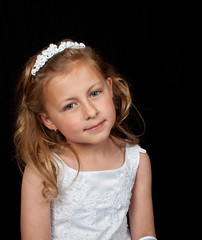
34, 142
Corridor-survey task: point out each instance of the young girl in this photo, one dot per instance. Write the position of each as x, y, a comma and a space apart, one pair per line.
84, 172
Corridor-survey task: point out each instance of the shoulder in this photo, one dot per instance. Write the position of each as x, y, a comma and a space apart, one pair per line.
136, 153
31, 176
32, 184
144, 174
142, 159
136, 148
144, 166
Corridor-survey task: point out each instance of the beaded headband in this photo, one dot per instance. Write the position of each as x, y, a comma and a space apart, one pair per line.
51, 51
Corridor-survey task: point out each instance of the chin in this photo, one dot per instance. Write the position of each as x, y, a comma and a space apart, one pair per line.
98, 138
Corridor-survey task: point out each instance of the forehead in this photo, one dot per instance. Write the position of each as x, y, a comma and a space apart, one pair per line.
79, 72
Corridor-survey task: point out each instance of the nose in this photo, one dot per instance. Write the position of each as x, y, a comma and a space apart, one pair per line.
89, 110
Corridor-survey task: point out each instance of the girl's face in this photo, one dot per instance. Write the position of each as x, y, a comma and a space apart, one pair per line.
79, 104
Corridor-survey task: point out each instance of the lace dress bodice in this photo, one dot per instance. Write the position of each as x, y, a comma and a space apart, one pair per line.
95, 205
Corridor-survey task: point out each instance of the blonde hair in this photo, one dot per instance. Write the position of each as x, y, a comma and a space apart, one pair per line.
34, 142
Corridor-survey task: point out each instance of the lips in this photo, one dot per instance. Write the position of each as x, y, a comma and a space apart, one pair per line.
95, 127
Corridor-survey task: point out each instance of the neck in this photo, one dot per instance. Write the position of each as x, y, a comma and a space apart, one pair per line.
108, 154
100, 149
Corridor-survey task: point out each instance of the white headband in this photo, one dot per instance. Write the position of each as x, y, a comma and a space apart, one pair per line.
51, 51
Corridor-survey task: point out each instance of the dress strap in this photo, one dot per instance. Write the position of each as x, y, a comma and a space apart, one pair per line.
133, 154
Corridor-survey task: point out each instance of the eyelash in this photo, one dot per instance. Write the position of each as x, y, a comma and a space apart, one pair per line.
93, 93
72, 105
69, 106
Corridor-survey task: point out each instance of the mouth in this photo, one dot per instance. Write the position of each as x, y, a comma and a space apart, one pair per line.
95, 127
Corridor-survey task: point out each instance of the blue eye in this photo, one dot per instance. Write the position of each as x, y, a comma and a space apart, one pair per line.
95, 93
70, 106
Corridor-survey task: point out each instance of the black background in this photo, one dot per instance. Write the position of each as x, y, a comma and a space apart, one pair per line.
148, 42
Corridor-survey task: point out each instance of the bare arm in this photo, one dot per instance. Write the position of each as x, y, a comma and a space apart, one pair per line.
141, 208
35, 210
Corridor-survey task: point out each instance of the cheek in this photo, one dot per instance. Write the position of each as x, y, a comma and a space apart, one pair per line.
109, 110
70, 127
113, 114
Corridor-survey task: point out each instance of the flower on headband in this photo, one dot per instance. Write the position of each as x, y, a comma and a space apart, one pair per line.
51, 51
61, 47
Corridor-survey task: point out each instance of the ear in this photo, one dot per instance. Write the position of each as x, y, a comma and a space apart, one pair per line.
47, 121
109, 82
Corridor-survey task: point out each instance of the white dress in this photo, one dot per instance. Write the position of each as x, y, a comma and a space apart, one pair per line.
95, 205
